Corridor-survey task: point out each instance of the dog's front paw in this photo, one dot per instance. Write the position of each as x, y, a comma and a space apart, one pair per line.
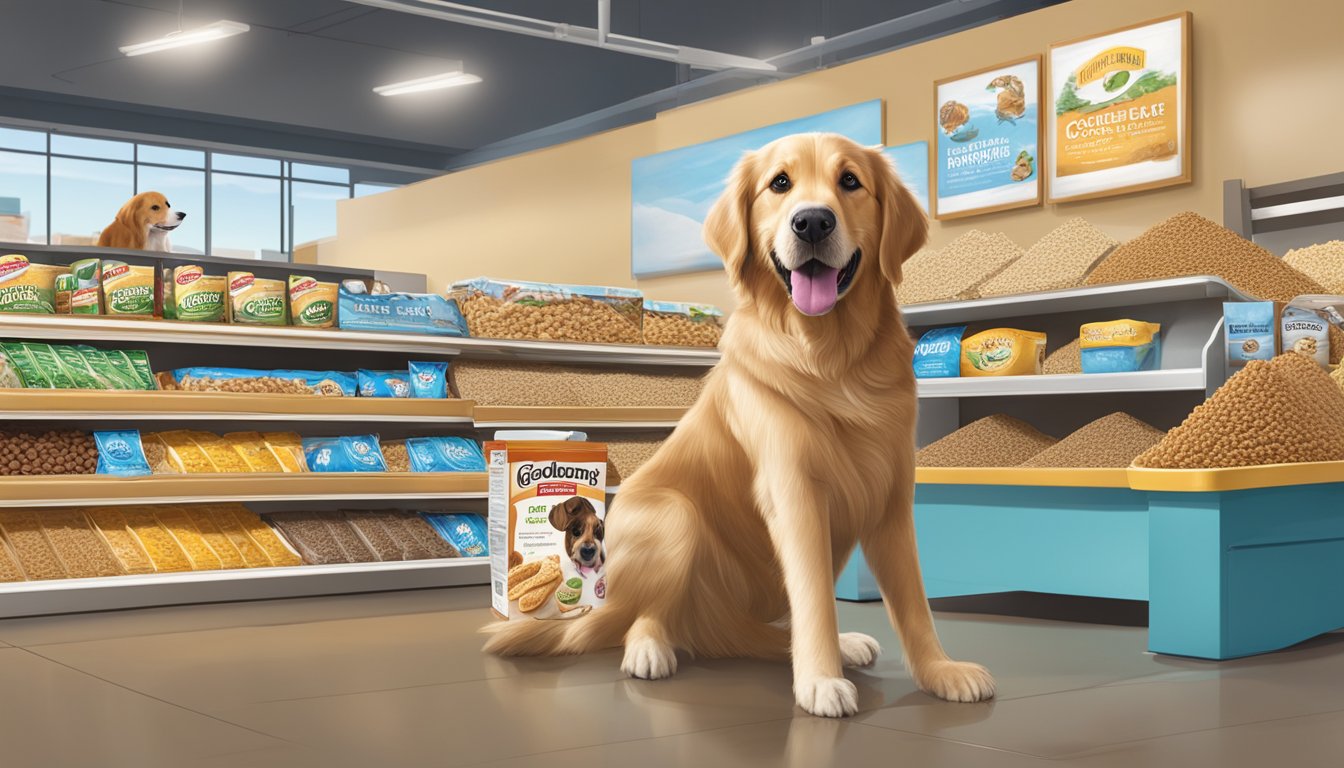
858, 649
959, 681
827, 696
648, 659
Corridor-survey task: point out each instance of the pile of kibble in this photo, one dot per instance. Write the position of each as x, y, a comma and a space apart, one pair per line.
1061, 259
543, 384
673, 329
956, 271
994, 441
1111, 441
54, 452
577, 318
1066, 359
1323, 262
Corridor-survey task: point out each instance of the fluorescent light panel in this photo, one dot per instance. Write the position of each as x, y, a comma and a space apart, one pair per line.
215, 31
431, 83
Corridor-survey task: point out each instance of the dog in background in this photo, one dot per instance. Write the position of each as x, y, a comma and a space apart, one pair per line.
728, 541
584, 533
143, 224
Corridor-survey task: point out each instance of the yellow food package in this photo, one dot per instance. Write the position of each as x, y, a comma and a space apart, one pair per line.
26, 287
178, 523
254, 300
1003, 352
275, 547
254, 451
185, 454
312, 303
130, 289
221, 454
287, 447
1120, 346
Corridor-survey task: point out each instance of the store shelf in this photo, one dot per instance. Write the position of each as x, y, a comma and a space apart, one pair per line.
508, 416
1236, 478
34, 598
1173, 380
1088, 298
150, 331
45, 404
69, 490
1023, 476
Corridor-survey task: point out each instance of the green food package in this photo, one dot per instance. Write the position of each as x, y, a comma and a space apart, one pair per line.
139, 360
27, 288
44, 357
312, 303
87, 295
169, 294
10, 376
33, 378
78, 368
256, 301
122, 365
65, 288
128, 288
102, 365
194, 296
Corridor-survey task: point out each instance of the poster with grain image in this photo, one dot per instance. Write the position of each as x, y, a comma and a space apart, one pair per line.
988, 135
1120, 105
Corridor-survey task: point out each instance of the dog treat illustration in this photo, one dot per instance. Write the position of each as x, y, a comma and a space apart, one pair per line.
1024, 167
1012, 98
952, 115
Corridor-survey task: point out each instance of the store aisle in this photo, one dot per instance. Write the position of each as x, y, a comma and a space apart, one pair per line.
398, 680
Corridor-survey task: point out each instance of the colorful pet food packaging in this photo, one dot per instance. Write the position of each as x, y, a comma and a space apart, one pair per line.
10, 377
65, 287
548, 504
938, 353
129, 289
465, 532
195, 296
312, 303
444, 454
429, 380
26, 287
1249, 329
1003, 352
1120, 346
427, 313
87, 295
255, 300
120, 453
358, 453
323, 383
383, 383
1306, 332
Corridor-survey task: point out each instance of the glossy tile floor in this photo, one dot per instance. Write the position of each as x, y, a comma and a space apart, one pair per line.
398, 680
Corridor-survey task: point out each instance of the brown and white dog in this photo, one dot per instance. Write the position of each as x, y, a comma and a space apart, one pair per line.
584, 533
728, 541
143, 223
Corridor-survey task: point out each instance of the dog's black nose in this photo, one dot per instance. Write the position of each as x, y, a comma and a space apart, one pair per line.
812, 225
587, 551
181, 215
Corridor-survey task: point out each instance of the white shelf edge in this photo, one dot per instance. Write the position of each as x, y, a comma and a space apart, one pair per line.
226, 416
542, 424
37, 598
1173, 380
166, 499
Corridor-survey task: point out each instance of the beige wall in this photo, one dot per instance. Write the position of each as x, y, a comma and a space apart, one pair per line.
1265, 75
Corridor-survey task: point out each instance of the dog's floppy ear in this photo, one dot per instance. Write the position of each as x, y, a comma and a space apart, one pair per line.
727, 231
905, 228
128, 211
564, 512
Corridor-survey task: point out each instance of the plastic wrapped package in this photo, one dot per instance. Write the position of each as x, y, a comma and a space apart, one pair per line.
225, 521
375, 534
270, 382
676, 324
310, 536
395, 455
356, 549
23, 531
279, 552
163, 550
184, 454
353, 453
229, 556
9, 564
287, 448
515, 309
425, 535
465, 532
426, 313
179, 524
252, 448
221, 453
123, 543
83, 552
409, 543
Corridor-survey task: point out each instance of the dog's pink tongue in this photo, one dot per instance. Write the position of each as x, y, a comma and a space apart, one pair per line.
814, 288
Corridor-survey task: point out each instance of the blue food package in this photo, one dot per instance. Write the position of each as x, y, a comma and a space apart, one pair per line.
1120, 346
427, 313
429, 380
938, 353
356, 453
444, 454
121, 453
383, 383
465, 532
207, 379
1248, 327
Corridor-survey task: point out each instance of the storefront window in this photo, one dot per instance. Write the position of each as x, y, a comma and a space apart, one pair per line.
314, 210
245, 216
23, 197
85, 197
185, 191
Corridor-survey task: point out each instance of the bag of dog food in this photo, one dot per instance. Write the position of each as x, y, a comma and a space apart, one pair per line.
429, 380
312, 303
383, 383
444, 454
1120, 346
1003, 352
26, 287
128, 288
938, 353
255, 301
1248, 327
65, 286
548, 504
1306, 332
10, 377
465, 532
121, 453
87, 296
358, 453
196, 296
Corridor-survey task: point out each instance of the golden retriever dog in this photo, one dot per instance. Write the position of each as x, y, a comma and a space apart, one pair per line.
728, 541
143, 223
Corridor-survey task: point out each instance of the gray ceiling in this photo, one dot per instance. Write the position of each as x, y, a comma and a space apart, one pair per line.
313, 63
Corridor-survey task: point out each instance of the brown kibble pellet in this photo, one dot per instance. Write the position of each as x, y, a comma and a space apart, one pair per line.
575, 318
376, 535
1066, 359
672, 329
1188, 244
356, 551
493, 383
1111, 441
958, 270
53, 452
391, 520
994, 441
1061, 259
395, 455
1323, 263
1279, 411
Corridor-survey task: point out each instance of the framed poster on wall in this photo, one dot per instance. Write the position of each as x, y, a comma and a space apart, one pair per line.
671, 192
912, 165
1120, 111
988, 135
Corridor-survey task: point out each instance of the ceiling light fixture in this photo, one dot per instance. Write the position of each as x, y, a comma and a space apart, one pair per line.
215, 31
431, 83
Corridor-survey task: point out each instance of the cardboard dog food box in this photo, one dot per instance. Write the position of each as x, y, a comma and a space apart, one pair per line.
547, 512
